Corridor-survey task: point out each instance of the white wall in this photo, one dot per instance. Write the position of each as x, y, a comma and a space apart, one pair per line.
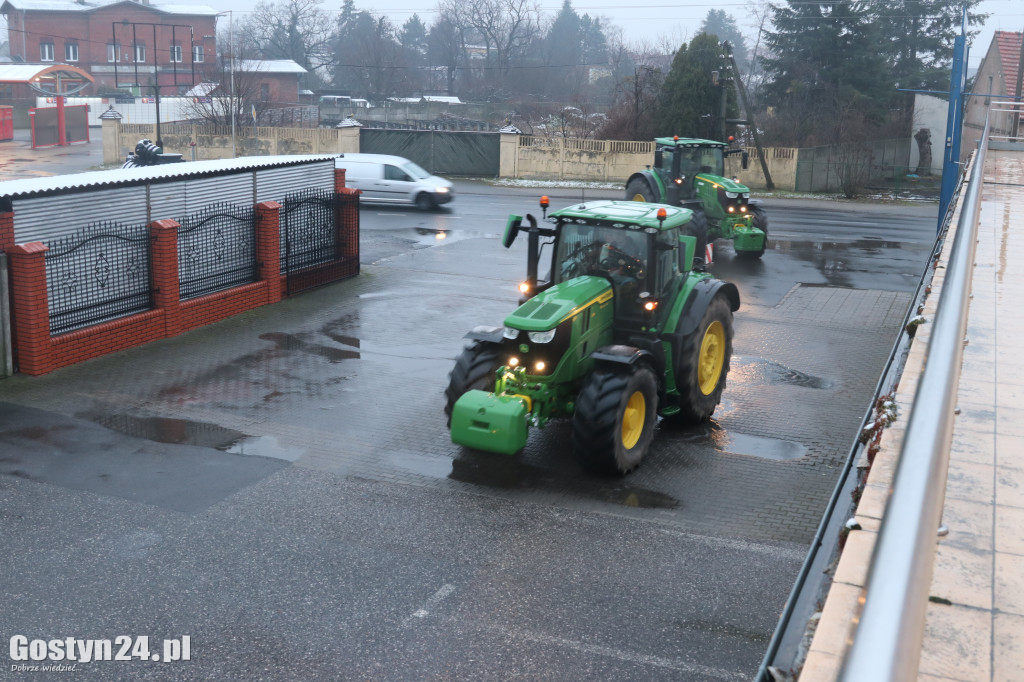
143, 110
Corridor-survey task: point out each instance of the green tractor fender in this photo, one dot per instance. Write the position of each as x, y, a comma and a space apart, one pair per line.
698, 300
620, 354
485, 333
646, 180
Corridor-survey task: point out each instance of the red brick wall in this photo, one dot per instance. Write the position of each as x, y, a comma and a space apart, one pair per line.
93, 29
36, 352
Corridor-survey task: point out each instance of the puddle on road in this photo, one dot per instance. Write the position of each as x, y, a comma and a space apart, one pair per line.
432, 236
734, 443
294, 342
201, 434
758, 371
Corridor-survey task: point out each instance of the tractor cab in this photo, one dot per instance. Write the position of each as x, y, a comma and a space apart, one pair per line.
680, 161
635, 247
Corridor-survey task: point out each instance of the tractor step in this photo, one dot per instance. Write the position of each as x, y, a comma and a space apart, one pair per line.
485, 421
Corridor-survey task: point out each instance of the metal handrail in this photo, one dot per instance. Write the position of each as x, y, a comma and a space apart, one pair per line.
887, 642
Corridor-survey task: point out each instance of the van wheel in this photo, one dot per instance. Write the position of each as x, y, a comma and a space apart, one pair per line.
424, 202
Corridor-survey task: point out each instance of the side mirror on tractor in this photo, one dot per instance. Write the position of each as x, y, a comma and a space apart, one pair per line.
745, 159
511, 230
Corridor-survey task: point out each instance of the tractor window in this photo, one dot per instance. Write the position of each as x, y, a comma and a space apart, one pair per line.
616, 254
666, 159
668, 264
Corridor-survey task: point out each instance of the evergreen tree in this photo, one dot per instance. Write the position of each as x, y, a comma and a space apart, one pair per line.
723, 25
690, 102
827, 59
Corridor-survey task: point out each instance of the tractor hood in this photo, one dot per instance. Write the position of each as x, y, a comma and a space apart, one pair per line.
552, 306
722, 183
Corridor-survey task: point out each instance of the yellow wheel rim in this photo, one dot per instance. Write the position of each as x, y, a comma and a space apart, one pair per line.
639, 197
712, 358
633, 419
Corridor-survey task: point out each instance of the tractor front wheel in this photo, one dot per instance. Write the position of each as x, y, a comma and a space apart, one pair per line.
760, 221
698, 227
613, 425
639, 190
474, 370
704, 362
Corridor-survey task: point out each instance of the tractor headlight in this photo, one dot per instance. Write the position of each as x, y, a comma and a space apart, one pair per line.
732, 195
510, 333
542, 337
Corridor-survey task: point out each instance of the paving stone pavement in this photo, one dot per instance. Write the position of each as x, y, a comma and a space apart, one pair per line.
349, 379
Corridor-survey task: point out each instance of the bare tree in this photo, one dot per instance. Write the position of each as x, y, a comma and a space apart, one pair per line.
291, 29
214, 100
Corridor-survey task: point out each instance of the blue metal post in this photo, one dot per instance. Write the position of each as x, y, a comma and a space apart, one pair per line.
954, 122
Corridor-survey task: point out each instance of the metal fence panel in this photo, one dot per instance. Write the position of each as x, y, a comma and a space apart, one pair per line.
100, 273
216, 249
45, 218
442, 153
274, 184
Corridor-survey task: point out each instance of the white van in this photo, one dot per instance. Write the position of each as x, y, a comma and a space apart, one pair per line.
394, 180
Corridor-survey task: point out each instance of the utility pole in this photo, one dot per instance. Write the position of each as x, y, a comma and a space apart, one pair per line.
769, 183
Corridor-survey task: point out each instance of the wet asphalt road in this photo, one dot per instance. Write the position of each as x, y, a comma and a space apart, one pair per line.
280, 486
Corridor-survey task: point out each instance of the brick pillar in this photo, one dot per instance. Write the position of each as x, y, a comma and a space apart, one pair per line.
166, 287
6, 230
339, 179
30, 308
346, 220
268, 247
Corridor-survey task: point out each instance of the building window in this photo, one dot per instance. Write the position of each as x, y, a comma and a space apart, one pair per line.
264, 92
113, 52
175, 53
140, 52
46, 52
71, 52
197, 53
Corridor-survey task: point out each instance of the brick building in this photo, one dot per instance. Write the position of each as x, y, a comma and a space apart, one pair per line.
133, 40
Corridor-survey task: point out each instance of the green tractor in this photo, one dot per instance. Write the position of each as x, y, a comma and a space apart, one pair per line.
623, 329
691, 173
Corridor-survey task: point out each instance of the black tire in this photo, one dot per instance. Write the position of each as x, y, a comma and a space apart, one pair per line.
760, 221
474, 370
698, 227
606, 435
425, 202
704, 363
639, 190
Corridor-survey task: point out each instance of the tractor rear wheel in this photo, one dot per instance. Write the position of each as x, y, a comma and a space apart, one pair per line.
760, 221
613, 425
474, 370
639, 190
704, 362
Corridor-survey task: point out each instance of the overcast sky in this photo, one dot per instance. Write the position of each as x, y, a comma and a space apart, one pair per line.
653, 20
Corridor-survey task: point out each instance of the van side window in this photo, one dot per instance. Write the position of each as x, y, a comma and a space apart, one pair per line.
396, 173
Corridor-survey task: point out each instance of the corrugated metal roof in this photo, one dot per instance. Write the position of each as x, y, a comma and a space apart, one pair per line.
130, 176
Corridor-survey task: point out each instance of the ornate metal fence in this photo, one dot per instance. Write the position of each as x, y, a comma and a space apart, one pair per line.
100, 273
216, 250
309, 236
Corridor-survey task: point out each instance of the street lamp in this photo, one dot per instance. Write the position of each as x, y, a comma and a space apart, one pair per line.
231, 67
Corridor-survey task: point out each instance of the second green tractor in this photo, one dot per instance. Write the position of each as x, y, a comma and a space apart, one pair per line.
691, 173
621, 329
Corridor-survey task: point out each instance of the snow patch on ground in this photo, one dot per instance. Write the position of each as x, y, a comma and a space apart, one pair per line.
563, 184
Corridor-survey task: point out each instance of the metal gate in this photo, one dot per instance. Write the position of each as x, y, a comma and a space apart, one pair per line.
216, 250
100, 273
310, 250
440, 152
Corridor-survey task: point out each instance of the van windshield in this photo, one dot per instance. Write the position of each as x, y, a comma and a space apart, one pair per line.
415, 171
